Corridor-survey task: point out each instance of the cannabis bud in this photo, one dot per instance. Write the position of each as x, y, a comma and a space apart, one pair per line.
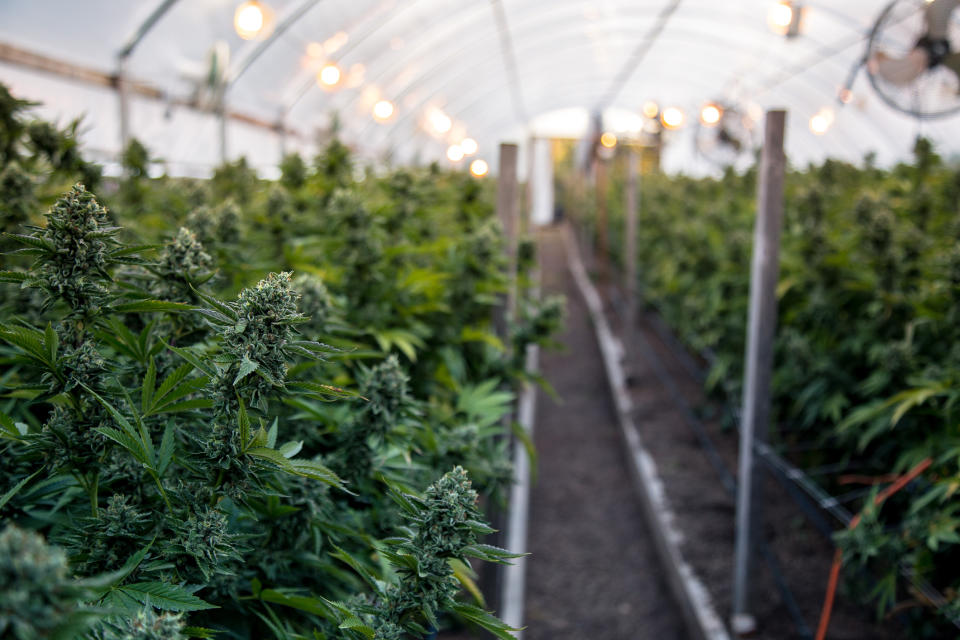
16, 185
184, 256
77, 235
146, 625
385, 386
255, 340
316, 303
451, 503
35, 595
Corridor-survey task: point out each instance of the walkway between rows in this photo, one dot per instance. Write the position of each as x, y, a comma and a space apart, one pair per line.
593, 572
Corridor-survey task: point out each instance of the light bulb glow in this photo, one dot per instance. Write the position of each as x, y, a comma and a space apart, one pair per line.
710, 114
335, 42
781, 14
608, 140
469, 146
454, 153
249, 19
784, 18
383, 110
651, 109
672, 118
329, 75
479, 168
845, 95
821, 122
440, 121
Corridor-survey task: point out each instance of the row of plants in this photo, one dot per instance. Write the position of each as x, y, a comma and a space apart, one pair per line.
245, 409
867, 353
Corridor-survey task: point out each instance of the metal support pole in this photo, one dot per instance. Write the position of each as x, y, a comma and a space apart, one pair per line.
123, 56
761, 327
282, 134
525, 219
123, 94
630, 252
507, 214
222, 118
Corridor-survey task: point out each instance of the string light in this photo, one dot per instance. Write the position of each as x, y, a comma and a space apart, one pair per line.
454, 153
710, 114
651, 109
785, 18
335, 42
469, 146
440, 121
821, 122
479, 168
608, 140
329, 75
672, 118
383, 110
251, 19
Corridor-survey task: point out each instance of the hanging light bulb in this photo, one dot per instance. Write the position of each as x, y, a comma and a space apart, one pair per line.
784, 18
469, 146
355, 75
454, 153
780, 16
440, 121
329, 75
383, 110
335, 42
608, 140
821, 122
651, 109
710, 114
252, 19
479, 168
672, 118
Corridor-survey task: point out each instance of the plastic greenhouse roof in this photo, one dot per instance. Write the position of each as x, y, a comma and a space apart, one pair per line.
502, 70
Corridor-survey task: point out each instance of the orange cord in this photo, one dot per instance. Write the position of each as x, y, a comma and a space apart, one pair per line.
828, 599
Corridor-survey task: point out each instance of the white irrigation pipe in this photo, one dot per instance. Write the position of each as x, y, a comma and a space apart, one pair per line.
514, 575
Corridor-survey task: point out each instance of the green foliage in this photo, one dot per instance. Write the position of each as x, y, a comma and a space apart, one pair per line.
867, 359
204, 467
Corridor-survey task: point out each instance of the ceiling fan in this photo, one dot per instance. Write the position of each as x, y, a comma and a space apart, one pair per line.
724, 135
913, 57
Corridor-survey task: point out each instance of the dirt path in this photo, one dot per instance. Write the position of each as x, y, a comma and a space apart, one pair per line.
593, 572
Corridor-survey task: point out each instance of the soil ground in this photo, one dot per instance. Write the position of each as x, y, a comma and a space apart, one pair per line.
593, 571
663, 389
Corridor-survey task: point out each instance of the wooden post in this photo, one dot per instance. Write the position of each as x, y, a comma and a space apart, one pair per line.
507, 213
630, 253
527, 213
600, 192
761, 327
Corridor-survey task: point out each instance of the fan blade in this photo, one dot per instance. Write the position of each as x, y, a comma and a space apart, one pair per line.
937, 15
899, 71
952, 62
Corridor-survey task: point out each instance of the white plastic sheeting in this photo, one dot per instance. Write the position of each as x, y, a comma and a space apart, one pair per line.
492, 66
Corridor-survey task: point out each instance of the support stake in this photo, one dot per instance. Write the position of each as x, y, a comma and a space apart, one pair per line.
507, 214
600, 193
630, 254
761, 327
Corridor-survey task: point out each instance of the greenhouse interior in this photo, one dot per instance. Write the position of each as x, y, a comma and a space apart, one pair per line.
420, 320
